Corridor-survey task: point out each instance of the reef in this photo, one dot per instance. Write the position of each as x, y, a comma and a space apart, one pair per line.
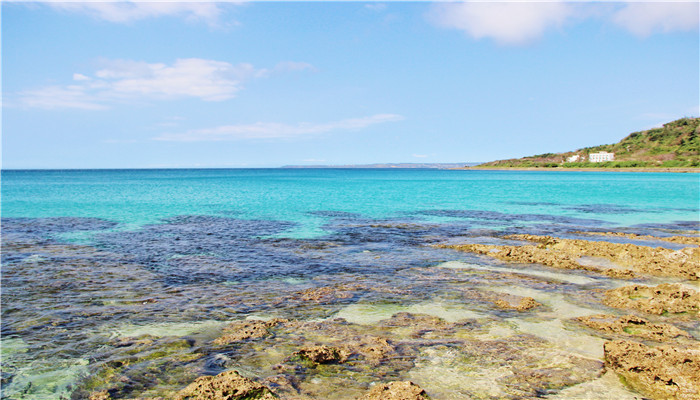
664, 372
243, 330
523, 304
404, 390
567, 253
633, 326
680, 239
322, 354
664, 298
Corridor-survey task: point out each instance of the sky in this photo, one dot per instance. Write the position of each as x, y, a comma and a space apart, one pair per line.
266, 84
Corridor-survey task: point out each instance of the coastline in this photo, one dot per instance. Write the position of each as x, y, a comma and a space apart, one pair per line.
677, 170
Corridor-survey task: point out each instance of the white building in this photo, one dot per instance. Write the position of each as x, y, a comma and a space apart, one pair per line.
574, 158
601, 156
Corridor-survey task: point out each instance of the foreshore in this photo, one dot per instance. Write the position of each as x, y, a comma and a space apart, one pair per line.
572, 313
677, 170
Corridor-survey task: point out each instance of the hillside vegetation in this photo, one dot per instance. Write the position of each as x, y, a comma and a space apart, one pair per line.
675, 144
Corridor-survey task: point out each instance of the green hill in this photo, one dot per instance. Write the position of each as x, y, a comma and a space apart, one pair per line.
675, 144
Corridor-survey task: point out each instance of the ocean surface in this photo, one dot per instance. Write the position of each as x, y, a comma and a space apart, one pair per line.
120, 280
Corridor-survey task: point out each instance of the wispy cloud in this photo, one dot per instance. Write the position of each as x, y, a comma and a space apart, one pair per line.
130, 11
273, 130
645, 19
125, 80
522, 22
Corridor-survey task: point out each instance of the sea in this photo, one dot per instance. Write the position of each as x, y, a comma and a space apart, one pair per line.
121, 280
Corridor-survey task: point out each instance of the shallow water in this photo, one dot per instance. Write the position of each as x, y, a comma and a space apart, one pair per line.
122, 280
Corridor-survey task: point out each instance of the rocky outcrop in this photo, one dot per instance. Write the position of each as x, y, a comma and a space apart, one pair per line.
400, 390
632, 325
663, 372
671, 298
524, 304
322, 354
243, 330
227, 385
657, 261
325, 294
671, 239
566, 254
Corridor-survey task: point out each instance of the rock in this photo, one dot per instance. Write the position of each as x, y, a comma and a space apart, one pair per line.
400, 390
101, 395
663, 372
323, 354
243, 330
671, 239
423, 325
632, 325
672, 298
565, 253
524, 304
325, 294
228, 385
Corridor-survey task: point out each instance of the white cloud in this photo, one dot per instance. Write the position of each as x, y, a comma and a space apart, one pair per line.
510, 23
521, 22
644, 19
130, 11
273, 130
125, 80
53, 97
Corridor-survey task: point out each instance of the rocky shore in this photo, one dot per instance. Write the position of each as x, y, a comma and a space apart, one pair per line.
525, 317
669, 371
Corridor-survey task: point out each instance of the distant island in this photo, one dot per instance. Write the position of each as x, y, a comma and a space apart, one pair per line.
674, 145
398, 165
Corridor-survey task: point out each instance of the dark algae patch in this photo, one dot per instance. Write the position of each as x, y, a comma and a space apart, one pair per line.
212, 307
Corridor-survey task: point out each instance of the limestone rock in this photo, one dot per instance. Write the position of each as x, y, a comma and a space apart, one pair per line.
400, 390
243, 330
672, 298
663, 372
524, 304
565, 253
228, 385
632, 325
323, 354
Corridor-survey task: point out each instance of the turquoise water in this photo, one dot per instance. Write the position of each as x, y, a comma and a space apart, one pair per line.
120, 280
134, 198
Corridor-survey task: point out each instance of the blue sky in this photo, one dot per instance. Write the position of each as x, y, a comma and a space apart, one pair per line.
265, 84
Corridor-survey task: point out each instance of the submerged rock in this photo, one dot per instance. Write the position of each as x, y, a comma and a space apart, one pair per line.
671, 298
243, 330
524, 304
325, 294
400, 390
632, 325
323, 354
228, 385
663, 372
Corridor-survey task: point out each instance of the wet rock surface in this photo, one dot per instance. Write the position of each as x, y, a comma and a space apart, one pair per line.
404, 390
243, 330
566, 253
663, 298
672, 239
322, 354
633, 326
229, 385
523, 304
663, 372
